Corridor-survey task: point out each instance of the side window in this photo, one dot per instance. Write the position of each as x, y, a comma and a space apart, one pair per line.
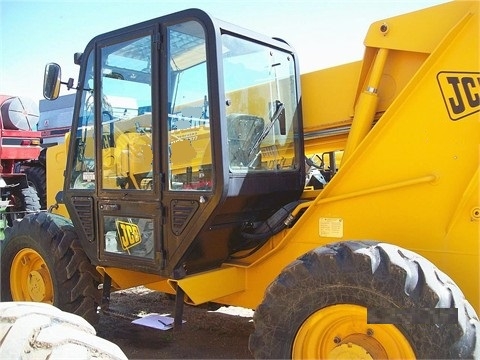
83, 174
190, 155
126, 117
260, 89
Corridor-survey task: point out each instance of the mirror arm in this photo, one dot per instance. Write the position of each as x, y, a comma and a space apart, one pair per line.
69, 84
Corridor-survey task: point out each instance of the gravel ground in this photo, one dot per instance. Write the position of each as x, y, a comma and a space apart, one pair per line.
206, 334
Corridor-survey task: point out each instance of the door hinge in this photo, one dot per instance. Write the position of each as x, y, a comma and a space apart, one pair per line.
164, 215
162, 181
157, 39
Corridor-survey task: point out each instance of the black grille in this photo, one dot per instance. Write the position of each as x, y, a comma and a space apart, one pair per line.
181, 212
84, 209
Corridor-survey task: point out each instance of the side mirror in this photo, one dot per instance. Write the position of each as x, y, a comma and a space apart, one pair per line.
52, 81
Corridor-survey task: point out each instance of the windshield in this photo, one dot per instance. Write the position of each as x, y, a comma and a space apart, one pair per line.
189, 138
126, 78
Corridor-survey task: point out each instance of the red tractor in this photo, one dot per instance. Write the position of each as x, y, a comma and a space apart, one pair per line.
19, 142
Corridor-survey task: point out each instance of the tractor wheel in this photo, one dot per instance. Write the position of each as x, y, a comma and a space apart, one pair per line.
41, 331
43, 261
318, 308
23, 201
37, 180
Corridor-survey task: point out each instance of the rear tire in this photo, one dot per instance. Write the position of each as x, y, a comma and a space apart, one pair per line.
23, 201
317, 307
42, 260
41, 331
37, 180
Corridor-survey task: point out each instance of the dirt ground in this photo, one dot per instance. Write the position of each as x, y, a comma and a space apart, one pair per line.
206, 334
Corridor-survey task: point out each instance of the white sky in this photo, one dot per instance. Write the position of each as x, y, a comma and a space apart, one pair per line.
323, 32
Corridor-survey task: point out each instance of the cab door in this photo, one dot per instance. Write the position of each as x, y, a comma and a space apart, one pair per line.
117, 176
129, 194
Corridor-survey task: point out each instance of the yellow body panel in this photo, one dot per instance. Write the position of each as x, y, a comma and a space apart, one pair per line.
325, 126
405, 183
57, 158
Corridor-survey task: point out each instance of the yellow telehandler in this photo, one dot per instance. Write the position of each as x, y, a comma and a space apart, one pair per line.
342, 205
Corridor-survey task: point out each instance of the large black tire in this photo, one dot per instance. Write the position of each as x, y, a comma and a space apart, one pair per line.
41, 331
299, 317
23, 201
42, 260
37, 180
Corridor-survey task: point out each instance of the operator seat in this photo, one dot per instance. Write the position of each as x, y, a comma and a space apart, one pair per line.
244, 130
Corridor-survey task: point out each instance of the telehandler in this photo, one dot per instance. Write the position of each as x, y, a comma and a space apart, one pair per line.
342, 205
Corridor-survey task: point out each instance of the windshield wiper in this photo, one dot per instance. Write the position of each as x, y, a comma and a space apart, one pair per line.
279, 112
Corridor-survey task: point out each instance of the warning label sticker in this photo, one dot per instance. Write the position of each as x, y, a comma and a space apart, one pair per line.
331, 227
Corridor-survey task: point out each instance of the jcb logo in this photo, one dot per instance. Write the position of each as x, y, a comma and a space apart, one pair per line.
128, 233
461, 93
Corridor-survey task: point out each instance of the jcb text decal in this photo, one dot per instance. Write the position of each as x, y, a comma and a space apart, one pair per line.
129, 234
461, 92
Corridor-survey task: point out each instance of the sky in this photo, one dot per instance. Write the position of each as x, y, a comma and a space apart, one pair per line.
324, 33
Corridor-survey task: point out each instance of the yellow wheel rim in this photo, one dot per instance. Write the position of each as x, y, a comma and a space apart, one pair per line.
342, 332
30, 278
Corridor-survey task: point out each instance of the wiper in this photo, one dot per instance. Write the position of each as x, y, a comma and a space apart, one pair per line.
279, 109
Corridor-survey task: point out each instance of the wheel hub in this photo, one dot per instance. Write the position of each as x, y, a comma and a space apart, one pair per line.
30, 279
349, 351
341, 332
358, 346
38, 285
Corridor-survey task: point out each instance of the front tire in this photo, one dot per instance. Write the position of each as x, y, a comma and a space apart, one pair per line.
318, 307
42, 260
